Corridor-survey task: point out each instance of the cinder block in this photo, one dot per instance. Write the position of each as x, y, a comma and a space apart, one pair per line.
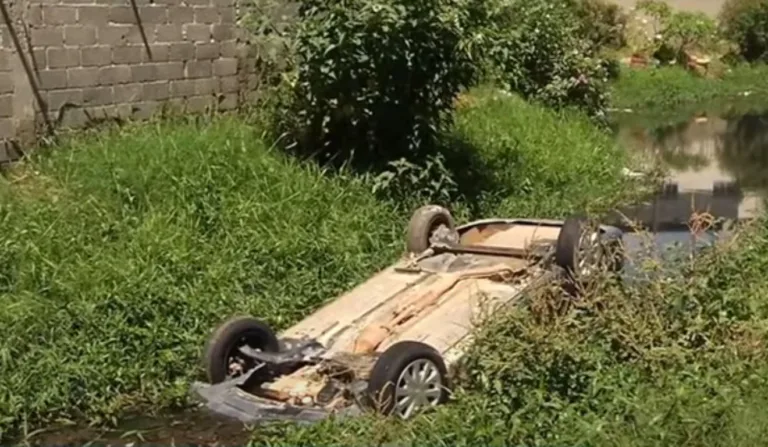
223, 32
181, 14
206, 14
74, 117
97, 56
113, 35
160, 53
205, 86
181, 51
183, 88
63, 57
229, 84
83, 77
116, 74
39, 59
5, 60
121, 15
198, 2
155, 14
198, 69
98, 96
227, 15
52, 79
127, 93
199, 103
34, 15
79, 35
59, 15
228, 48
129, 54
227, 101
6, 105
225, 67
155, 91
6, 83
52, 36
97, 16
144, 110
57, 98
197, 33
170, 71
207, 51
168, 33
7, 130
144, 73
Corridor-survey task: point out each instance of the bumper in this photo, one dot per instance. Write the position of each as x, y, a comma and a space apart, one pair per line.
227, 399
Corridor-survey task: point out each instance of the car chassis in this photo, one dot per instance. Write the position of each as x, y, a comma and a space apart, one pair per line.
389, 344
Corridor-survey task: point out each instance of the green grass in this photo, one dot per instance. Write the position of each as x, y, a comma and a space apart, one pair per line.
121, 250
668, 93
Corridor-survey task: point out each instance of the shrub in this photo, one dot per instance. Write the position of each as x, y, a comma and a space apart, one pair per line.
746, 23
541, 53
602, 23
678, 33
377, 78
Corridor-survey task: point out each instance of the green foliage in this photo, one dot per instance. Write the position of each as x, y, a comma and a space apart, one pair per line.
378, 78
667, 93
746, 23
678, 33
602, 23
541, 53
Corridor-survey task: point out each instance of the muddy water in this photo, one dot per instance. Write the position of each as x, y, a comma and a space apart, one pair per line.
187, 428
718, 169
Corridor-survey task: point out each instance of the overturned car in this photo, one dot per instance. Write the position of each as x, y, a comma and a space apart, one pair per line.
391, 343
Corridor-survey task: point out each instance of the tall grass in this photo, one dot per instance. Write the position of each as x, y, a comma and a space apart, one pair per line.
121, 250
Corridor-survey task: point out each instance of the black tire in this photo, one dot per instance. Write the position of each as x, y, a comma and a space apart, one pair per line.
230, 335
392, 363
567, 251
424, 221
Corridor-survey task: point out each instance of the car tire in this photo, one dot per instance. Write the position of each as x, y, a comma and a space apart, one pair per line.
568, 251
228, 337
392, 370
423, 223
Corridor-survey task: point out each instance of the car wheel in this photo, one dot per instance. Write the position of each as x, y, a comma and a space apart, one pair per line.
408, 378
423, 224
223, 360
580, 250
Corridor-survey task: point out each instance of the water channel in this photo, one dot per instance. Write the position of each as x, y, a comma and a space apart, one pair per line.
718, 171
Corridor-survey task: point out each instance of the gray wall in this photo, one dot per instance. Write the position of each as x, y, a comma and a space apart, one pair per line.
91, 54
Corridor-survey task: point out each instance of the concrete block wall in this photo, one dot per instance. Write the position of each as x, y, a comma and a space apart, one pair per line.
94, 59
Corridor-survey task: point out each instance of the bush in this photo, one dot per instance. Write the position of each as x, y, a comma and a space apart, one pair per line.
602, 23
540, 51
746, 23
377, 78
